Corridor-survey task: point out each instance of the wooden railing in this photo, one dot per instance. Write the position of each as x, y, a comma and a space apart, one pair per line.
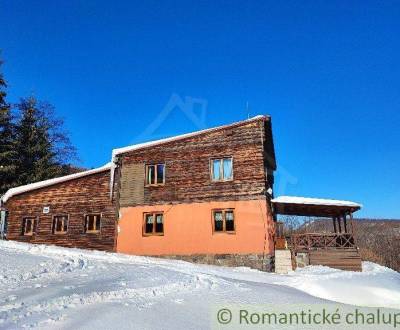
316, 241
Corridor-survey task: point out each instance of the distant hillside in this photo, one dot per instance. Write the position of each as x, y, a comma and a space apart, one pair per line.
378, 239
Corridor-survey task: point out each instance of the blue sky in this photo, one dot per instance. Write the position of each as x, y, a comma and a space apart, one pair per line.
328, 72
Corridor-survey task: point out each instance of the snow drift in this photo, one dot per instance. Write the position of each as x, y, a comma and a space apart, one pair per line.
52, 287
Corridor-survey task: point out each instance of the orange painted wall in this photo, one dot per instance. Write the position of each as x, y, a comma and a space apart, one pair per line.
188, 230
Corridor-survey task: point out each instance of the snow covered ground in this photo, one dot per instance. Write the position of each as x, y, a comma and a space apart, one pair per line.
51, 287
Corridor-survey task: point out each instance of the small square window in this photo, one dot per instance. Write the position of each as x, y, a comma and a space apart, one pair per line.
60, 224
153, 224
222, 169
92, 223
223, 221
155, 175
29, 226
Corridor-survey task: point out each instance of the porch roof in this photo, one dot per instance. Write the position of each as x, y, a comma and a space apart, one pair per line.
313, 207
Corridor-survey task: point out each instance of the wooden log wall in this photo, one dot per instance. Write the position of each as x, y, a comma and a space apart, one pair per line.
187, 164
345, 259
89, 194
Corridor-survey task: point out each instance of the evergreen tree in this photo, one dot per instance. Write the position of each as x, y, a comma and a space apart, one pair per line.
43, 148
7, 151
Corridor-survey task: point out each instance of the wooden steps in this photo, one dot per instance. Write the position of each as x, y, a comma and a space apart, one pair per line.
345, 259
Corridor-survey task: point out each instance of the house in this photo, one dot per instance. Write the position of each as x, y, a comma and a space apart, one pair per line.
72, 211
203, 196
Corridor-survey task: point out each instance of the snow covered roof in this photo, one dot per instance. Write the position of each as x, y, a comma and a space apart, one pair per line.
41, 184
180, 137
314, 201
303, 206
111, 166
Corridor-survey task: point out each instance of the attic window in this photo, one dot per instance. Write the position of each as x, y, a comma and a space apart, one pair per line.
29, 226
222, 169
60, 224
92, 223
155, 175
153, 224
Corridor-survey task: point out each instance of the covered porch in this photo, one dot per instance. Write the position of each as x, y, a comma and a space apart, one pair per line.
336, 248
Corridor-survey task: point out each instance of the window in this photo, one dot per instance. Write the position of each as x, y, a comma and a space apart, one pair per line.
29, 226
153, 224
60, 224
155, 175
223, 221
221, 169
92, 223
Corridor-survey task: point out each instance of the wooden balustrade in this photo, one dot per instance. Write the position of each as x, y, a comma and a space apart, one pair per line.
319, 241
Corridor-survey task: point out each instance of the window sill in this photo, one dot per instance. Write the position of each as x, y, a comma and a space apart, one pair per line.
220, 181
154, 185
149, 235
224, 232
92, 232
60, 233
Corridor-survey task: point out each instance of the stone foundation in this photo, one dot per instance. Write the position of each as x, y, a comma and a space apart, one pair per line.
256, 261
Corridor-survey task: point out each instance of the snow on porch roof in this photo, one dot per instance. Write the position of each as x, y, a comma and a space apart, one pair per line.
41, 184
303, 206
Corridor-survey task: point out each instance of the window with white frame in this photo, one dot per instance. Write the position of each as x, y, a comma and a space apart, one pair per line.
222, 169
155, 175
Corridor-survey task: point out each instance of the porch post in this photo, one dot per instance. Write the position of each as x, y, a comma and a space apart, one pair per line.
334, 224
345, 223
351, 223
340, 225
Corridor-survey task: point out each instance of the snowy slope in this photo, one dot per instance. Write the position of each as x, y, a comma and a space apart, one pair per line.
51, 287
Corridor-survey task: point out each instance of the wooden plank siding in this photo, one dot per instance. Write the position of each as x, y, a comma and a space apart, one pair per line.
187, 167
77, 197
345, 259
132, 184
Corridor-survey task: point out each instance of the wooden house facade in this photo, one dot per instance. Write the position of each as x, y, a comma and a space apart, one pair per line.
202, 196
71, 211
